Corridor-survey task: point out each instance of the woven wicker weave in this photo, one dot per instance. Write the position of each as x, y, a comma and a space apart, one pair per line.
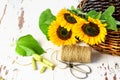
112, 42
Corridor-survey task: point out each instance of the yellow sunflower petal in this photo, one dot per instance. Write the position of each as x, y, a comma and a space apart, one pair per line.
87, 38
67, 19
56, 38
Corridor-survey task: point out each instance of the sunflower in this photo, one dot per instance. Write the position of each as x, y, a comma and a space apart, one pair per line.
60, 35
67, 19
91, 33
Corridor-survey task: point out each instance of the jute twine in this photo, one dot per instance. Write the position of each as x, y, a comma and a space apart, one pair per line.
76, 53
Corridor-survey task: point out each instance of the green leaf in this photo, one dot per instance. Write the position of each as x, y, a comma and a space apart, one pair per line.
94, 14
27, 45
111, 23
45, 20
109, 11
73, 8
98, 15
107, 16
27, 50
77, 11
91, 13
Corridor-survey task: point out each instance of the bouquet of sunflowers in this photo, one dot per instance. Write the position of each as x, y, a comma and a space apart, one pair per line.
71, 26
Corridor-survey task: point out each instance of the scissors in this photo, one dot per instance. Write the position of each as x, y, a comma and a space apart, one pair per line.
81, 69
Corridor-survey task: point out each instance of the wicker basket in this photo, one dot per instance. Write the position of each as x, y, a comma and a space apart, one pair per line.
112, 42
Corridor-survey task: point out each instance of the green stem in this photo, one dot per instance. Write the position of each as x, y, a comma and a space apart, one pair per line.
34, 65
82, 13
43, 69
103, 21
43, 61
117, 22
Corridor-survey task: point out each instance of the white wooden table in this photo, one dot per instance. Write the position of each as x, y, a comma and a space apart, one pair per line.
20, 17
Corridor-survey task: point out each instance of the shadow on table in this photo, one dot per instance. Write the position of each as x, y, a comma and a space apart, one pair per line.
96, 56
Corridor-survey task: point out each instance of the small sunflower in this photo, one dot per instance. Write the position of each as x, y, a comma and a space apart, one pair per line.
67, 19
60, 35
91, 33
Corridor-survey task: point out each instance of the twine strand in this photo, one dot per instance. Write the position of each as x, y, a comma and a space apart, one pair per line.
76, 53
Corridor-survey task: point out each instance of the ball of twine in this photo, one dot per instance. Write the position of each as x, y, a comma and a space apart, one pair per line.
76, 53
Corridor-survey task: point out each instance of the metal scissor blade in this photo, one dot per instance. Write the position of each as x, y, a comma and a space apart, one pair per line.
83, 68
79, 69
65, 64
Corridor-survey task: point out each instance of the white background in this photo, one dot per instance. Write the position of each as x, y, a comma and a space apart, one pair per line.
103, 65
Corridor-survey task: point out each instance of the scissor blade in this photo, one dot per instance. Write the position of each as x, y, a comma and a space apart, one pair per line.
83, 68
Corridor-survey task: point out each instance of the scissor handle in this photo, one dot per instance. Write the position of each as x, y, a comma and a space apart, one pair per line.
78, 69
86, 75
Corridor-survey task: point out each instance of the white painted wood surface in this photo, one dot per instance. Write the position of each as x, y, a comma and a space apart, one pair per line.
20, 17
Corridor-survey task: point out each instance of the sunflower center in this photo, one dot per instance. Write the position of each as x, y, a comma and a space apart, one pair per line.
69, 18
63, 33
91, 29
